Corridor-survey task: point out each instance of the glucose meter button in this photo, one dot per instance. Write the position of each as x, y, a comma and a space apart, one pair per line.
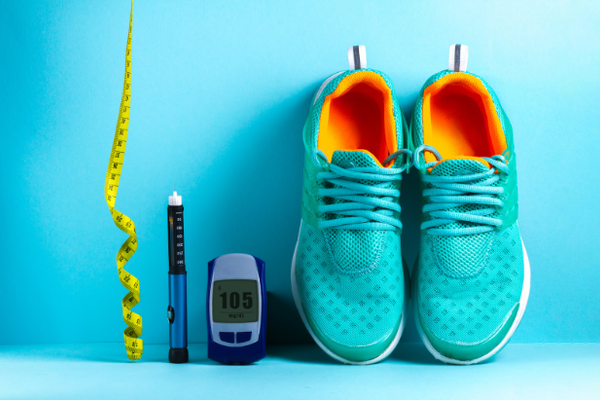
227, 337
243, 337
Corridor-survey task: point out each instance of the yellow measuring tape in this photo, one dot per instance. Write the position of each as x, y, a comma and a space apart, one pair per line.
133, 345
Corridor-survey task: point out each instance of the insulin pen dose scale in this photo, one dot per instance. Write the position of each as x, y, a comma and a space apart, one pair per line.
236, 309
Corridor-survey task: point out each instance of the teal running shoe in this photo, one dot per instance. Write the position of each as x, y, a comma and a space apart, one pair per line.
348, 278
471, 281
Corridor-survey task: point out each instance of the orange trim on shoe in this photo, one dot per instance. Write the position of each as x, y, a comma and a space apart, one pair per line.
460, 119
359, 115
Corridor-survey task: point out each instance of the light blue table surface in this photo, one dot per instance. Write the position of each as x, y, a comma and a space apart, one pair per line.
100, 371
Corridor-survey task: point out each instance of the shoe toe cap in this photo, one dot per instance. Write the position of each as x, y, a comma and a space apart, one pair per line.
361, 349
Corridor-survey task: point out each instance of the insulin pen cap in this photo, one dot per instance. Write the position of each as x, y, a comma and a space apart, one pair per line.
174, 200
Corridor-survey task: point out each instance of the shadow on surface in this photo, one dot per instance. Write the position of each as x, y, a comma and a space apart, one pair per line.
283, 320
304, 353
101, 353
406, 353
413, 353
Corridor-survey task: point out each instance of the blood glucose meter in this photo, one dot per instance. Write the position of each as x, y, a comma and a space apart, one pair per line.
236, 309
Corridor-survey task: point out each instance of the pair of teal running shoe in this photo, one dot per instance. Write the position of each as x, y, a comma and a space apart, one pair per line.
470, 283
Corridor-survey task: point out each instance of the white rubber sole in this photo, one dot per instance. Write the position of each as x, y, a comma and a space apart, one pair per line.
513, 328
298, 303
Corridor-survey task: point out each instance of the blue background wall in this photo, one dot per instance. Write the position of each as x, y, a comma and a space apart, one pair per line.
220, 93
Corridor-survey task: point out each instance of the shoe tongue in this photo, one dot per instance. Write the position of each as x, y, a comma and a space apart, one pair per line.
355, 252
473, 249
356, 158
460, 166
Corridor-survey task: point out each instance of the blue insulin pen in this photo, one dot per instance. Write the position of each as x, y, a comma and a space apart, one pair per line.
177, 311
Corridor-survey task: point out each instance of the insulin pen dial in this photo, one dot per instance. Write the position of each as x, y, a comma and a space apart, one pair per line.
176, 247
177, 256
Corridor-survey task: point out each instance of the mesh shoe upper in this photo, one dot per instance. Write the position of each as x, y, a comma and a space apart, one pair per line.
352, 309
469, 307
467, 288
350, 282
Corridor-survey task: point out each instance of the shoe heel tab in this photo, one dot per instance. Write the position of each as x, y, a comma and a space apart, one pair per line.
458, 58
357, 57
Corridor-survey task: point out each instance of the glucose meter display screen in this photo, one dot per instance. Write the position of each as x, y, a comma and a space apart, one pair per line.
235, 300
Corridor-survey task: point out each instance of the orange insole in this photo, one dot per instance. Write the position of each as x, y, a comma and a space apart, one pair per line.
358, 115
356, 122
460, 119
459, 126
